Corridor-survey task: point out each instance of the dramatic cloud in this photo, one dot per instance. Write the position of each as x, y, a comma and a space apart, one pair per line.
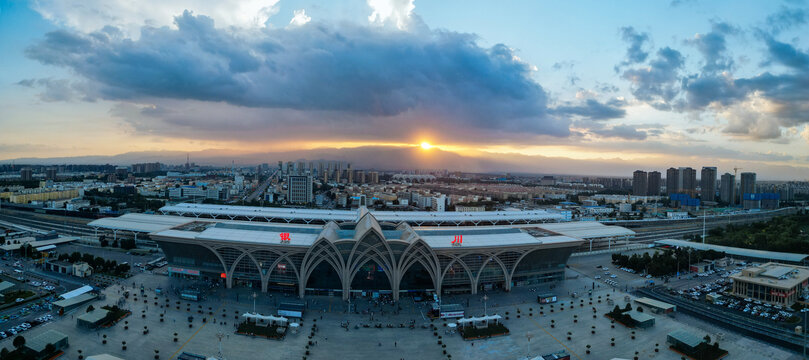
657, 83
713, 47
635, 53
300, 18
758, 107
52, 89
395, 12
94, 15
626, 132
361, 71
785, 19
592, 109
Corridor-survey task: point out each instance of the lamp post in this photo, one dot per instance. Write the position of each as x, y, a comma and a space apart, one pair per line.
485, 297
804, 311
254, 302
219, 336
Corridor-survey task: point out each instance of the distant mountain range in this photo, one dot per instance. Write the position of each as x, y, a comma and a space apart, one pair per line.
395, 158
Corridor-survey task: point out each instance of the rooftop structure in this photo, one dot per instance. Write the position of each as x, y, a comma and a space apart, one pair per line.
756, 255
684, 339
321, 217
597, 235
656, 305
39, 342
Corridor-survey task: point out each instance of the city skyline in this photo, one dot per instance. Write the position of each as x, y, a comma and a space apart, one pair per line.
687, 84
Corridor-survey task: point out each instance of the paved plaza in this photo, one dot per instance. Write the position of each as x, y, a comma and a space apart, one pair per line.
332, 341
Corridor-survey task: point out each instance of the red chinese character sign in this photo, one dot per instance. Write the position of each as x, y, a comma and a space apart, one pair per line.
285, 238
458, 240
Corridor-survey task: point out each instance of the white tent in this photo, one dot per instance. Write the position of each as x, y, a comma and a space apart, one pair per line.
479, 322
266, 318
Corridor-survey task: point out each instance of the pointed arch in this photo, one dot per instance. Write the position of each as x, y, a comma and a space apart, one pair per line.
370, 242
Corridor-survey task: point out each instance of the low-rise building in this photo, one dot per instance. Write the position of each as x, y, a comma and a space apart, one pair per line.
82, 269
684, 340
641, 320
39, 344
92, 319
702, 267
59, 266
774, 283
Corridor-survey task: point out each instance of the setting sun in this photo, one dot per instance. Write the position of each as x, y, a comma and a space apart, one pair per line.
426, 146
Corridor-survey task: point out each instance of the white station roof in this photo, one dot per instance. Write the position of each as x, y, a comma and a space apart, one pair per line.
144, 223
252, 236
269, 213
586, 229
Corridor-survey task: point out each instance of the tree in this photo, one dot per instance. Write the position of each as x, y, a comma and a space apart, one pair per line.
19, 341
707, 339
50, 349
90, 308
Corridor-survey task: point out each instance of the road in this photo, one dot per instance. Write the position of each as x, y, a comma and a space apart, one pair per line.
261, 187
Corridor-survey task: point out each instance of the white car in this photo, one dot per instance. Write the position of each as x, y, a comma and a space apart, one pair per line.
613, 276
648, 276
598, 277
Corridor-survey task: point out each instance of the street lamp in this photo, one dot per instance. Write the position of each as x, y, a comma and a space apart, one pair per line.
254, 302
804, 311
485, 297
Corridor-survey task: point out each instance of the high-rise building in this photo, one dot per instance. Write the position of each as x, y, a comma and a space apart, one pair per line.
653, 183
639, 183
708, 183
361, 177
350, 174
747, 184
299, 189
374, 177
325, 176
727, 189
26, 174
50, 173
672, 181
687, 180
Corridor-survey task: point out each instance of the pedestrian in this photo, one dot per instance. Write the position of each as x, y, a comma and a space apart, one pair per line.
395, 344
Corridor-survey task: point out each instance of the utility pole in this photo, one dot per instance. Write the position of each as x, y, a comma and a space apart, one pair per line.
703, 226
254, 302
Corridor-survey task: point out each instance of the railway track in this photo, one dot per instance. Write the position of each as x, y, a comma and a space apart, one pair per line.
63, 228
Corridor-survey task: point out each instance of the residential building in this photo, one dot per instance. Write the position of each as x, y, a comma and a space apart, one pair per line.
653, 183
747, 184
708, 183
727, 188
687, 180
50, 173
639, 183
299, 189
26, 174
672, 184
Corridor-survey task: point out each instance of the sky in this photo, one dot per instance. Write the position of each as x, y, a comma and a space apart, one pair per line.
650, 83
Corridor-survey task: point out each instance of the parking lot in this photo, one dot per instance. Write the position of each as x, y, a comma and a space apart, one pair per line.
530, 324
